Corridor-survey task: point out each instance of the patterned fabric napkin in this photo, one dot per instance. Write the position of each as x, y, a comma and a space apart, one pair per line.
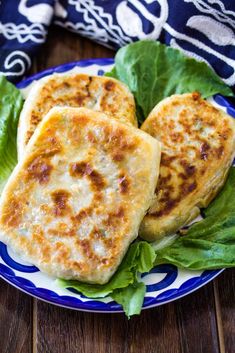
204, 29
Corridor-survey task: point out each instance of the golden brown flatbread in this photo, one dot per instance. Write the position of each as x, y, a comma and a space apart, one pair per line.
76, 199
99, 93
198, 145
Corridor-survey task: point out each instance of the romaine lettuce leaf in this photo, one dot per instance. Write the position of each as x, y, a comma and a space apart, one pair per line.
11, 103
154, 71
130, 298
210, 243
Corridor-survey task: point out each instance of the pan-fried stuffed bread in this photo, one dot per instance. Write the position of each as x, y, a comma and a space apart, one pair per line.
76, 199
198, 145
76, 90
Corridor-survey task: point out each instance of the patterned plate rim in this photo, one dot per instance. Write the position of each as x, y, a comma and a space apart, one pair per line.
70, 302
76, 304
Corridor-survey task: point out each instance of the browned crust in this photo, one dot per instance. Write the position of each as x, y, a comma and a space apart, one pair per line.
46, 199
80, 90
198, 142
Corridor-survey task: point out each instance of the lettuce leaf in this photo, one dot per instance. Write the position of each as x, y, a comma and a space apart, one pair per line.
130, 298
11, 103
210, 243
123, 286
154, 71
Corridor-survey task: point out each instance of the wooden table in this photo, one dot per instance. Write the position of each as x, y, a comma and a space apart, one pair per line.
202, 322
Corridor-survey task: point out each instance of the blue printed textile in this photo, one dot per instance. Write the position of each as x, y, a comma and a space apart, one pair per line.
203, 29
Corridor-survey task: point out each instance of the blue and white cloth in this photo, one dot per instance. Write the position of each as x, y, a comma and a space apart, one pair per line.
204, 29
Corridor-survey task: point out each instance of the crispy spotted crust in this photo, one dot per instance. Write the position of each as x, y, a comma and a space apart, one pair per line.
76, 90
75, 201
198, 144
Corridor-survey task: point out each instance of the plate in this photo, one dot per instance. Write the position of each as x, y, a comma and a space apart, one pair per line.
164, 283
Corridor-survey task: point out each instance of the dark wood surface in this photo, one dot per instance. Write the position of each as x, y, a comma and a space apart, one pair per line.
202, 322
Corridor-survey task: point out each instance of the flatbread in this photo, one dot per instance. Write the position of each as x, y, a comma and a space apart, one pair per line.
76, 90
75, 201
198, 145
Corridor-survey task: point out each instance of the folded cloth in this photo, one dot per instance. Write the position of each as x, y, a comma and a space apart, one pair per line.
23, 29
204, 29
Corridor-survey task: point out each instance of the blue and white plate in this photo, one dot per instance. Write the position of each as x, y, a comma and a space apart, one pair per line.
164, 283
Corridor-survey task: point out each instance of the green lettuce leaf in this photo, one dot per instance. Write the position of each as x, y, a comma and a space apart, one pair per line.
124, 283
130, 298
154, 71
11, 103
210, 243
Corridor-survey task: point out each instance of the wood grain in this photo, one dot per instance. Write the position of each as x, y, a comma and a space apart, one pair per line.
60, 330
15, 320
225, 286
185, 326
197, 321
63, 47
